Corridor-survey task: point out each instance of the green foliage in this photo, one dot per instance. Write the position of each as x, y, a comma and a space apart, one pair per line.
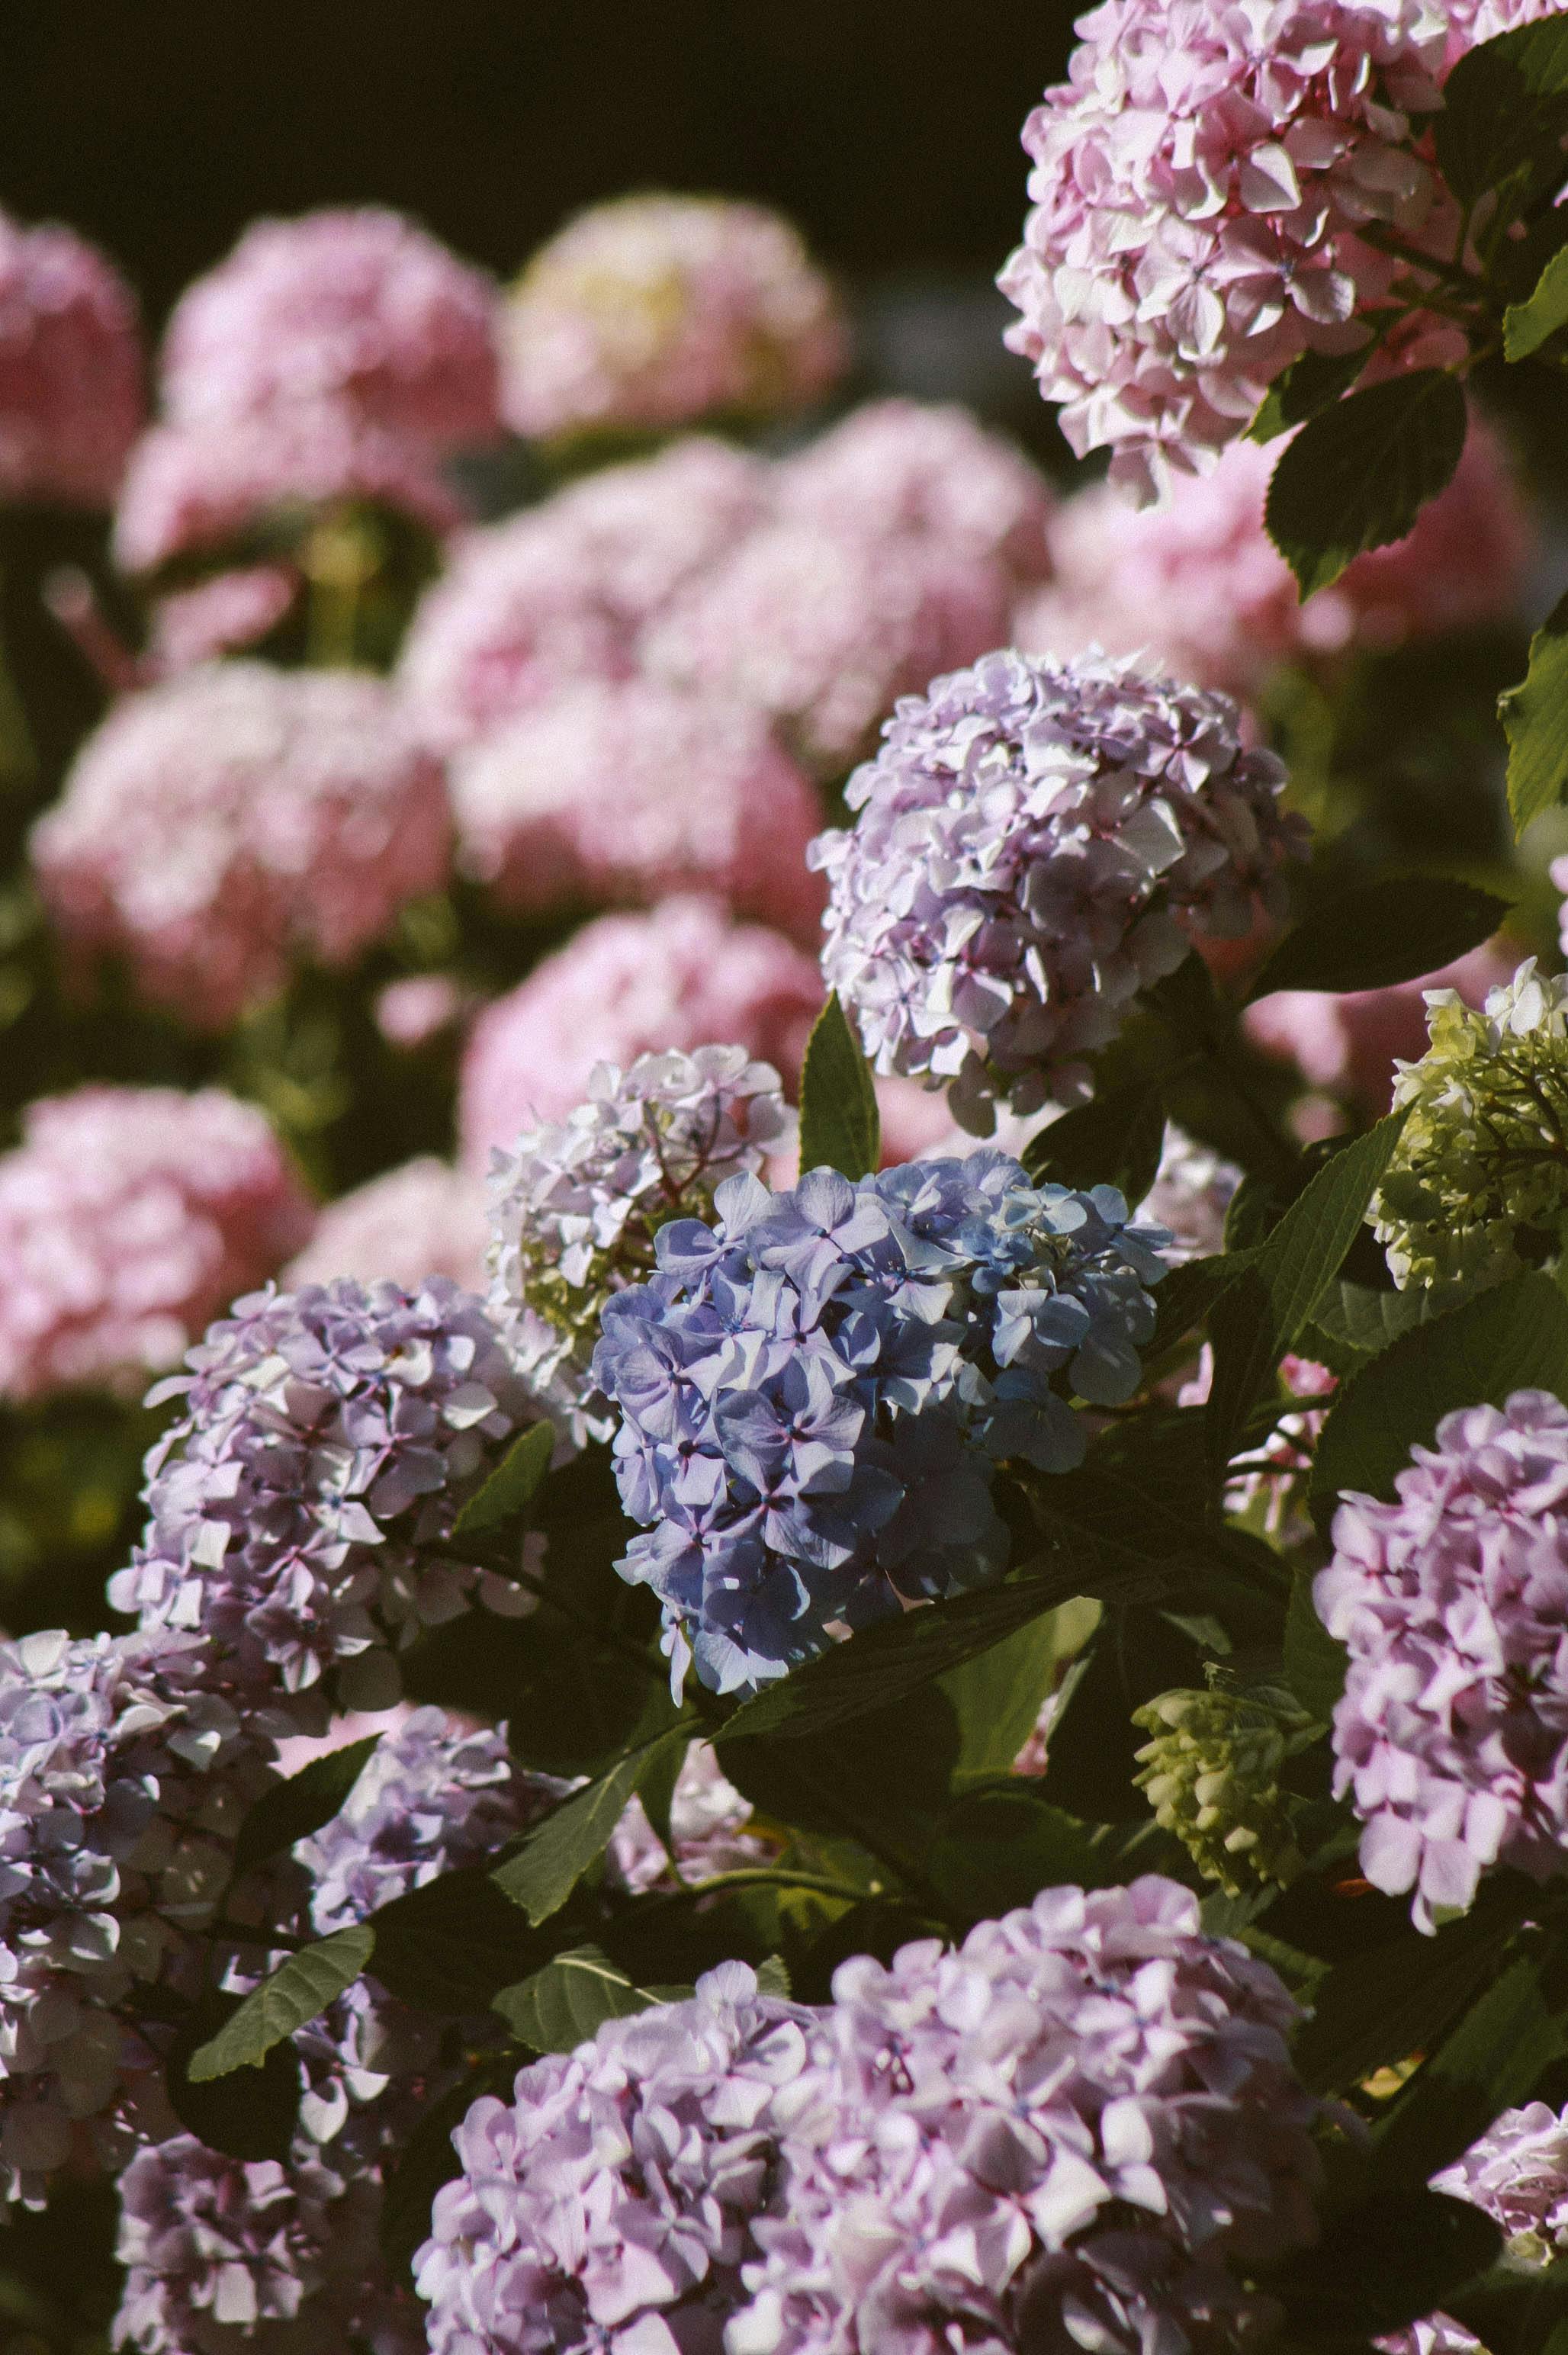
1504, 117
511, 1488
568, 2001
298, 1990
1309, 385
840, 1126
1113, 1140
553, 1859
1387, 2261
1535, 717
1357, 474
293, 1809
1379, 934
1513, 1337
1528, 325
449, 1945
248, 2114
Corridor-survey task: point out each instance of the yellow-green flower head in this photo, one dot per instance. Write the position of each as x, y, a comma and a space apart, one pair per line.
1211, 1774
1479, 1185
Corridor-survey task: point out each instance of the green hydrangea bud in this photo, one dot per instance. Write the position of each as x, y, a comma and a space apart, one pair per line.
1479, 1185
1211, 1775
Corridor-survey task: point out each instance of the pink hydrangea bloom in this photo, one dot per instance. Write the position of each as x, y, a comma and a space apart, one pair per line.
1471, 22
192, 489
655, 312
1453, 1606
129, 1218
231, 821
627, 791
424, 1218
624, 986
1348, 1043
1197, 188
824, 630
1200, 584
231, 610
354, 310
412, 1012
931, 468
71, 391
564, 590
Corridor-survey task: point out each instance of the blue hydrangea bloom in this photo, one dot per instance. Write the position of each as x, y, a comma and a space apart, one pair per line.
814, 1390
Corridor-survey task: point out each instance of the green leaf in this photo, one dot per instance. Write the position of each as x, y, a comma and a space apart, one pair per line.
1527, 325
290, 1811
1352, 1322
298, 1990
1113, 1140
1520, 2307
510, 1489
451, 1945
656, 1791
250, 2116
1535, 722
1376, 2007
1490, 2062
1384, 2263
1187, 1294
996, 1849
1512, 1336
1358, 476
1314, 1662
1379, 934
1505, 111
569, 2002
997, 1699
1261, 1315
1312, 383
840, 1126
553, 1859
773, 1976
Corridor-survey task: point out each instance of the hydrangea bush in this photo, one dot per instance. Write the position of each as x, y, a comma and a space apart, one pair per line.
715, 1706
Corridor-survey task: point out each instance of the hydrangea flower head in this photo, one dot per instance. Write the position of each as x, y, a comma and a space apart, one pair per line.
655, 312
359, 311
565, 591
1192, 1190
606, 2206
122, 1781
1211, 1774
1034, 844
1081, 2127
328, 1437
814, 1388
234, 820
624, 987
575, 1209
71, 396
420, 1220
1197, 186
1479, 1183
626, 791
129, 1218
1453, 1604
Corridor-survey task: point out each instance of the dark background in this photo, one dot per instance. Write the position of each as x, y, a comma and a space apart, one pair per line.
888, 128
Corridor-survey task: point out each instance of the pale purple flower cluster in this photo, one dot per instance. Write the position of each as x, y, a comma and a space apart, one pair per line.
1192, 1190
707, 1834
1517, 2174
574, 1209
624, 987
1077, 2129
328, 1439
899, 544
1452, 1738
564, 590
422, 1219
657, 312
1035, 844
623, 791
233, 820
122, 1781
814, 1391
129, 1218
606, 2207
357, 311
71, 394
1197, 186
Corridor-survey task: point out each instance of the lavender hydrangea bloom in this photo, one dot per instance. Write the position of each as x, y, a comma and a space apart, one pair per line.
1452, 1736
1037, 842
121, 1785
814, 1391
1518, 2173
1079, 2128
575, 1207
603, 2211
330, 1437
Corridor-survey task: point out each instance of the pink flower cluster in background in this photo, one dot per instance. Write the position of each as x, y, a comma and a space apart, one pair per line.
233, 820
1347, 1042
655, 312
129, 1218
422, 1219
71, 370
